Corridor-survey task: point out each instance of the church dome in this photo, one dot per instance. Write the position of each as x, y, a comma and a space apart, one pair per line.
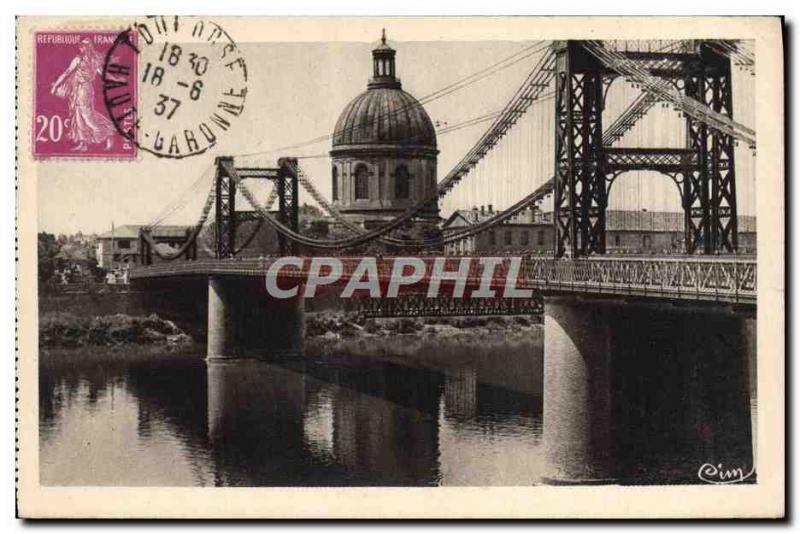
384, 114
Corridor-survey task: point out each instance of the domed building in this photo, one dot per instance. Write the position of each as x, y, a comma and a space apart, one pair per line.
384, 150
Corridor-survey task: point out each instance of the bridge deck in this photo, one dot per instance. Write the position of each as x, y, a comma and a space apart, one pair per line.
723, 279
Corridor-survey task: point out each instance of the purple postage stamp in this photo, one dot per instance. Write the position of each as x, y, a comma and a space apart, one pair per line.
70, 119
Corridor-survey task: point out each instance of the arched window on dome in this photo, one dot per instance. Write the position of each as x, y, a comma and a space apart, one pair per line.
335, 184
362, 182
402, 182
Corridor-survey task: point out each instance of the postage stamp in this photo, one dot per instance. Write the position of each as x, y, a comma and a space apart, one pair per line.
400, 267
70, 118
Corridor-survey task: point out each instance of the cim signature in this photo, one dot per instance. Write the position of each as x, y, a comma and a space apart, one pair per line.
717, 475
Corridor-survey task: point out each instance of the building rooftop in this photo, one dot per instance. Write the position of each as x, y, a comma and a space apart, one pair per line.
131, 231
616, 220
660, 221
475, 215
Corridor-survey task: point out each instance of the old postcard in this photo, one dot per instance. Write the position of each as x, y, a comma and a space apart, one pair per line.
400, 267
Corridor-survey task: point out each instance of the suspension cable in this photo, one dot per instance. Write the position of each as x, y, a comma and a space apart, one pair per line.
492, 69
532, 88
626, 121
273, 195
536, 196
660, 88
192, 237
181, 200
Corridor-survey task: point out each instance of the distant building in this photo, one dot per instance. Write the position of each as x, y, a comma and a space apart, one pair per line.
627, 232
659, 232
119, 248
529, 231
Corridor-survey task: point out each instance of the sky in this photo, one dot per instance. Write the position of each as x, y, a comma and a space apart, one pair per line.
296, 92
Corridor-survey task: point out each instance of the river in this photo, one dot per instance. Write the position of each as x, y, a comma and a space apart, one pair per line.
127, 417
405, 411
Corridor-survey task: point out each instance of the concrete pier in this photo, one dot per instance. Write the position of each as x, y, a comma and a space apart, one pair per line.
221, 339
577, 393
284, 328
243, 321
640, 392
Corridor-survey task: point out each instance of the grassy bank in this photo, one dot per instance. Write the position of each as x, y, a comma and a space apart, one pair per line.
64, 329
430, 340
349, 325
327, 333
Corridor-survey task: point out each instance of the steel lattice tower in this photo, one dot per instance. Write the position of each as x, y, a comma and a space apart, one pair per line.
585, 168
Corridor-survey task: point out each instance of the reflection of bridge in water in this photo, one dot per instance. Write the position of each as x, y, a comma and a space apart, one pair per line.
631, 344
363, 422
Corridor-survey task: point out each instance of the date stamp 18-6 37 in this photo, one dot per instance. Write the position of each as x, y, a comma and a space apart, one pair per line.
193, 84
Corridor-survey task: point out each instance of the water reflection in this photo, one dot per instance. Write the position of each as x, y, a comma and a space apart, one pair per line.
494, 441
96, 428
180, 421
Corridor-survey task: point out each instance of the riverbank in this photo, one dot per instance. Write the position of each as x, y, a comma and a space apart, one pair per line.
330, 335
67, 330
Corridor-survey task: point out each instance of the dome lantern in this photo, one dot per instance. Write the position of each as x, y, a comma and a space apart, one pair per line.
383, 71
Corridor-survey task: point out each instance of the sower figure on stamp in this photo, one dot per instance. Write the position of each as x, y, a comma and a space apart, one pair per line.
76, 84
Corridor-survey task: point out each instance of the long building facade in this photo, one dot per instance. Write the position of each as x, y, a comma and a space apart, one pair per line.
627, 232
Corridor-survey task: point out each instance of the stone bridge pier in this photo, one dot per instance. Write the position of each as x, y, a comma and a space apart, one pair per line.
233, 313
637, 392
244, 321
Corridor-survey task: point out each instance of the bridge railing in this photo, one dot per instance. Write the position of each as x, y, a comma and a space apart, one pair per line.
715, 279
724, 280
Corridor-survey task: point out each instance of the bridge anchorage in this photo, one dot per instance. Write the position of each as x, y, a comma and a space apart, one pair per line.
637, 350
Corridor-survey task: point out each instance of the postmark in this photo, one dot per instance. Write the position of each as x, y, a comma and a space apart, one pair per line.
69, 116
192, 80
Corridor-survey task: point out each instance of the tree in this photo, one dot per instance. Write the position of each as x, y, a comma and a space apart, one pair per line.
47, 248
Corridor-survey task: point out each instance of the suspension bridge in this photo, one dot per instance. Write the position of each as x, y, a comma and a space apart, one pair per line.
595, 305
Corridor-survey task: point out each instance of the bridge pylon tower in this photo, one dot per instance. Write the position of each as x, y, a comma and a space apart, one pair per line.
288, 207
579, 187
585, 169
710, 188
228, 219
225, 209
